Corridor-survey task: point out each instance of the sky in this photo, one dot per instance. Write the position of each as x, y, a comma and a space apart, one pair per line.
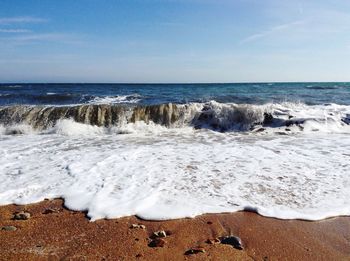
157, 41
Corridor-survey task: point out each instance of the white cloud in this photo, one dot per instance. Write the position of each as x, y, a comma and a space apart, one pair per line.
30, 38
15, 31
21, 20
42, 37
273, 30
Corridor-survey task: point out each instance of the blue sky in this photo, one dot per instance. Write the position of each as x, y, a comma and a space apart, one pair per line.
174, 40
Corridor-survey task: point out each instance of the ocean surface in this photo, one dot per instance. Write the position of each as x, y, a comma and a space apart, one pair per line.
164, 151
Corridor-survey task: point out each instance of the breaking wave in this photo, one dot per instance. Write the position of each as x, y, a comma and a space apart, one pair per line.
282, 118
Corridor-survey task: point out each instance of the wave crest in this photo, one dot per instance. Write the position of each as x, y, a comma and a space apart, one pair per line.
223, 117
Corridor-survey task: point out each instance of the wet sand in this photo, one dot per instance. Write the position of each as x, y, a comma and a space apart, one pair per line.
55, 233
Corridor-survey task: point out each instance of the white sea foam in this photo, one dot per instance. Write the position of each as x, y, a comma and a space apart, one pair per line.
163, 173
69, 127
244, 117
14, 86
16, 129
133, 98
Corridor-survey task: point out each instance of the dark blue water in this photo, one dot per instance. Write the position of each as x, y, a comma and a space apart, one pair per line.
250, 93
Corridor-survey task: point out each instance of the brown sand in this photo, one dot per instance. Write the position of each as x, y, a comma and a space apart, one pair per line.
62, 234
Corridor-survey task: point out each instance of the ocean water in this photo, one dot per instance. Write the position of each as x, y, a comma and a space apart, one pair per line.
147, 94
178, 150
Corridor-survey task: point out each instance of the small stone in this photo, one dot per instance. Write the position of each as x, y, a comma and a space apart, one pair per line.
209, 223
157, 242
168, 232
21, 216
51, 210
138, 226
234, 241
160, 233
9, 228
195, 250
138, 255
250, 209
268, 118
213, 241
260, 130
281, 133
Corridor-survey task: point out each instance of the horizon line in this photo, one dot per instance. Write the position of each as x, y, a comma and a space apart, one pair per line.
169, 83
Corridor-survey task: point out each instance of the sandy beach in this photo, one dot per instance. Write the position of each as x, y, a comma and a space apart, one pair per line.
53, 232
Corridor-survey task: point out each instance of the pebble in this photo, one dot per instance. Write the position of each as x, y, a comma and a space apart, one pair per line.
157, 242
268, 118
195, 250
138, 226
234, 241
51, 210
213, 241
21, 216
160, 233
9, 228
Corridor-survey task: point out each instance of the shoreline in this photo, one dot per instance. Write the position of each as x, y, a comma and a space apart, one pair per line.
55, 233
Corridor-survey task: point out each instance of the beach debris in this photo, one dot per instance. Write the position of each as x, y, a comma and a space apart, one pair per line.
138, 226
157, 242
160, 233
212, 241
195, 250
21, 215
234, 241
9, 228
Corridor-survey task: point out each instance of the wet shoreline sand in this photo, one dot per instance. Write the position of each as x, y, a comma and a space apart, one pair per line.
55, 233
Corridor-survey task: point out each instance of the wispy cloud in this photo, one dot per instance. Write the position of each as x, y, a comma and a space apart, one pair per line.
42, 37
31, 38
273, 30
15, 31
21, 20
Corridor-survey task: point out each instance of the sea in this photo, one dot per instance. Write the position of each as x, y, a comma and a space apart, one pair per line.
167, 151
